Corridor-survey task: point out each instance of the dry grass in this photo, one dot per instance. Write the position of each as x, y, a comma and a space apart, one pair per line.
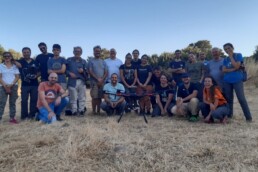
99, 143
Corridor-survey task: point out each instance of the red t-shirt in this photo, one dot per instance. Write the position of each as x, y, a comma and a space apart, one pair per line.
51, 92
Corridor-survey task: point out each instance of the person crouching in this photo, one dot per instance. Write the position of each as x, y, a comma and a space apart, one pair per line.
113, 102
52, 99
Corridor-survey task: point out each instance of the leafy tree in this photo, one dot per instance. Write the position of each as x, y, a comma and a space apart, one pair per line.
105, 53
255, 55
16, 55
1, 52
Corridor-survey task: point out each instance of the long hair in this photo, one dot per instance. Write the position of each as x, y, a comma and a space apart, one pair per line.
213, 87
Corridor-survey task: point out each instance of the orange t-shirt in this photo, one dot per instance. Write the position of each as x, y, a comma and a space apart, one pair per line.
51, 92
218, 95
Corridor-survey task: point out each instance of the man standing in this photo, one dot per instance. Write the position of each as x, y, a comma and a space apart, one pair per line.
29, 71
113, 65
112, 101
215, 66
98, 73
195, 69
42, 60
202, 59
187, 103
177, 67
57, 65
76, 68
51, 100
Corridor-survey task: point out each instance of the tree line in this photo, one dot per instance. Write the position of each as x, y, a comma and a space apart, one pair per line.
162, 59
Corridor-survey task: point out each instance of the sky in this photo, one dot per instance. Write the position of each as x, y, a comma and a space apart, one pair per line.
151, 26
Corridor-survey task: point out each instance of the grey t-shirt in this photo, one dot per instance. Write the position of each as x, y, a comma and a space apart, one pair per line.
195, 71
56, 64
98, 67
215, 70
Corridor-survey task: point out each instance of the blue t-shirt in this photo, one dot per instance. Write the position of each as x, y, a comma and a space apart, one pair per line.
42, 59
143, 73
27, 70
215, 70
112, 90
176, 65
234, 76
56, 64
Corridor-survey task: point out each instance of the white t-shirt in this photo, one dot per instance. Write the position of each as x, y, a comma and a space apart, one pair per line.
113, 67
8, 74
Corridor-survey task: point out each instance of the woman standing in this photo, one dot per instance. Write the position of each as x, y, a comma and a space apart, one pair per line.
128, 77
214, 105
9, 75
144, 73
233, 81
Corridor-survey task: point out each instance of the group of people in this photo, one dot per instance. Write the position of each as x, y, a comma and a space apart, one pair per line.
185, 89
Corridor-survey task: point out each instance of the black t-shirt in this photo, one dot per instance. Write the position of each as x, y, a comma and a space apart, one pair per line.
143, 73
177, 65
155, 80
27, 71
42, 59
136, 63
164, 93
128, 72
184, 92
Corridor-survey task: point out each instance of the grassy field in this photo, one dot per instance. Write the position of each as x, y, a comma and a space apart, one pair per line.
99, 143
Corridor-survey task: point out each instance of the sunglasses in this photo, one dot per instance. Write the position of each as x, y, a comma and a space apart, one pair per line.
7, 56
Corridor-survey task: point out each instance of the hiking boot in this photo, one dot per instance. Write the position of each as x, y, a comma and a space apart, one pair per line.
13, 121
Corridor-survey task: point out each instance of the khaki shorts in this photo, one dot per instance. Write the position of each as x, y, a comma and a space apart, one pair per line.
96, 91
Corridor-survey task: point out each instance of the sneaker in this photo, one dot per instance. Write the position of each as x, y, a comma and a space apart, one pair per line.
74, 114
13, 121
68, 113
193, 118
109, 112
58, 118
249, 120
82, 113
148, 113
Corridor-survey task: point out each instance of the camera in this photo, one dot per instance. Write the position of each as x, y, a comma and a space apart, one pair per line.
30, 73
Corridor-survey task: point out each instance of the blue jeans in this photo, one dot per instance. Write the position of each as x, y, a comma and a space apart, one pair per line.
43, 112
157, 111
219, 113
239, 90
